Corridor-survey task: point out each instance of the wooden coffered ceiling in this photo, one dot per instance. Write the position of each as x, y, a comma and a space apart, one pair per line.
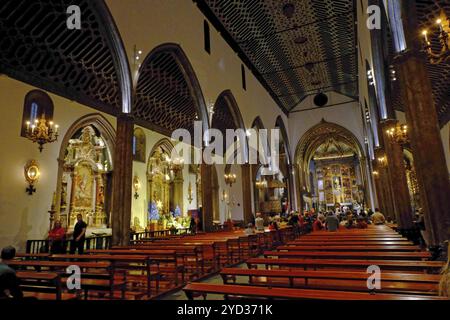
37, 47
294, 51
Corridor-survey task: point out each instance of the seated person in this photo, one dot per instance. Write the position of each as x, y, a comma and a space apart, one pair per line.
361, 223
332, 222
259, 222
378, 217
9, 284
319, 223
273, 226
249, 230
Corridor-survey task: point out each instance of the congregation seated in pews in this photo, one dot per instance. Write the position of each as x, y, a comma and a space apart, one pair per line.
281, 260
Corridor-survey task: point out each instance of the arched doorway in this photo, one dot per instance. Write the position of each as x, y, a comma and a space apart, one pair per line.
84, 184
168, 97
330, 164
227, 116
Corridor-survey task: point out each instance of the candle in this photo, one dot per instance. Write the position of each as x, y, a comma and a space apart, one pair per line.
54, 199
56, 128
439, 22
424, 32
32, 128
28, 125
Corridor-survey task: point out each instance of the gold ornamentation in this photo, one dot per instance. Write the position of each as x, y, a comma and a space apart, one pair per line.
32, 174
42, 132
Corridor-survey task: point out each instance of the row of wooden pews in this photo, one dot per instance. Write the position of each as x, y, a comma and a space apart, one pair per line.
145, 269
333, 266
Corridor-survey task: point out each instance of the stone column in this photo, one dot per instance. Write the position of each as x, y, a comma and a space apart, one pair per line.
424, 132
178, 189
207, 197
122, 181
247, 193
385, 187
397, 177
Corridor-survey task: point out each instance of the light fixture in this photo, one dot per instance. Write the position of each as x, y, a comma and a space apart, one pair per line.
370, 77
261, 184
375, 173
382, 160
190, 194
42, 131
230, 178
443, 35
398, 133
32, 174
224, 196
392, 73
136, 186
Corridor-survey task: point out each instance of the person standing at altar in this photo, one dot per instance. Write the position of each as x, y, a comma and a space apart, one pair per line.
56, 238
79, 236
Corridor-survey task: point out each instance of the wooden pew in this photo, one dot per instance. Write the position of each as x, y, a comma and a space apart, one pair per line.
349, 248
350, 255
349, 239
168, 258
102, 279
191, 257
335, 280
350, 243
402, 265
288, 293
116, 262
43, 286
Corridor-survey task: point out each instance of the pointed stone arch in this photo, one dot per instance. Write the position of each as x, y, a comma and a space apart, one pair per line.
310, 141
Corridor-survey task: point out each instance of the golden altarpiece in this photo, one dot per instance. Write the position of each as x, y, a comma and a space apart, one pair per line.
86, 169
165, 182
337, 183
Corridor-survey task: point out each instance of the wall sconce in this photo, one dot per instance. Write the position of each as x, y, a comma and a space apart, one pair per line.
224, 196
382, 161
230, 178
190, 195
32, 173
136, 186
375, 174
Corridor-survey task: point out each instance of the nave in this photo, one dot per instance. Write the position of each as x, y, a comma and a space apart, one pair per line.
375, 263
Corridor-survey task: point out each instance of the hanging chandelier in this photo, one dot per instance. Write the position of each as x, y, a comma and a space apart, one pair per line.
399, 133
444, 40
42, 131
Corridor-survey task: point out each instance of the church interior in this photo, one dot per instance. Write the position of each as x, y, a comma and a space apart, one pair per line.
219, 149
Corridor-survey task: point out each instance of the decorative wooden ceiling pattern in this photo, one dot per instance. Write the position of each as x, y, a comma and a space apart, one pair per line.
37, 47
295, 56
163, 95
